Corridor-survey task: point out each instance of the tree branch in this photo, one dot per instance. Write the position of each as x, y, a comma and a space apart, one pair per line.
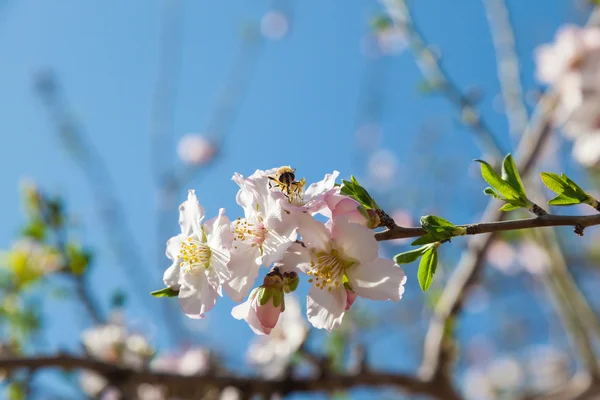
578, 222
121, 376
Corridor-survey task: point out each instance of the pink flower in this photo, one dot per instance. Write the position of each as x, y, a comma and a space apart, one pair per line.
200, 254
261, 238
341, 258
340, 205
261, 318
195, 150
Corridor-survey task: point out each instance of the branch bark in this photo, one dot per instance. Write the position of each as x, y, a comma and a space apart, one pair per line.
398, 232
126, 377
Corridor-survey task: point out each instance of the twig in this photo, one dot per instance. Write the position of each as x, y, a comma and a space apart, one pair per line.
398, 232
122, 377
440, 80
508, 65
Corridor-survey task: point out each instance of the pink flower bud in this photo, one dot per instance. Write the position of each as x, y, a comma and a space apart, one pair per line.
339, 205
350, 298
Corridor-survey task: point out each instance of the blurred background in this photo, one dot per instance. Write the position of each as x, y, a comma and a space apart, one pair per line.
110, 111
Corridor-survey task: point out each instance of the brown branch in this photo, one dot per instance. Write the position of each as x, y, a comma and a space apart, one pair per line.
122, 377
398, 232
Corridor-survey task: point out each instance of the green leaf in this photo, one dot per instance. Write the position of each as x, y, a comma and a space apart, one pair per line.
563, 200
553, 182
438, 227
354, 190
427, 268
572, 184
165, 292
496, 182
509, 207
491, 192
425, 239
410, 256
510, 174
569, 192
36, 229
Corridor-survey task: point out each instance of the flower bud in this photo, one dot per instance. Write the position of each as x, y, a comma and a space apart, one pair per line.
290, 281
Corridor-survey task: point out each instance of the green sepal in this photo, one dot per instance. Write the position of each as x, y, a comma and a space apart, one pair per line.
264, 295
165, 292
427, 268
277, 297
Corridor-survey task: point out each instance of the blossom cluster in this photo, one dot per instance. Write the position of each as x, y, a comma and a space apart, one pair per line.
281, 228
572, 65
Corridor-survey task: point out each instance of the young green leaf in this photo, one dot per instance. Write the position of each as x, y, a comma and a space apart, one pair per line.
427, 268
438, 227
165, 292
553, 182
425, 239
410, 256
496, 182
509, 207
491, 192
564, 200
572, 184
510, 174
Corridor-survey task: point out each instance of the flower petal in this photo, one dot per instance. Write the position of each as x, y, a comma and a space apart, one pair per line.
319, 188
325, 309
296, 258
314, 234
191, 214
174, 246
355, 241
244, 271
379, 280
171, 276
196, 295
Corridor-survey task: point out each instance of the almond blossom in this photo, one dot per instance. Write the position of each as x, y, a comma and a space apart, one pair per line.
341, 259
261, 238
200, 254
112, 343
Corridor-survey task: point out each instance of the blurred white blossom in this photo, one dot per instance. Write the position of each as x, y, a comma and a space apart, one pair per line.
383, 168
194, 149
501, 255
533, 257
274, 25
272, 353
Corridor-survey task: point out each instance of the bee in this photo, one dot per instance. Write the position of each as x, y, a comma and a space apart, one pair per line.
285, 179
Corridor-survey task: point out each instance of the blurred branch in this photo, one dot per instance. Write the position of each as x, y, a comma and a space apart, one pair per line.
508, 65
126, 378
110, 210
439, 80
579, 222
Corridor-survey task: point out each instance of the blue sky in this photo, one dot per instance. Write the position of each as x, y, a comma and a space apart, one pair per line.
303, 104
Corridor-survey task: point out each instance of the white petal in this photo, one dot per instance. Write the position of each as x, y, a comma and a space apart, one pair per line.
173, 246
171, 276
378, 280
220, 236
314, 234
244, 271
356, 241
191, 214
296, 258
277, 240
196, 295
319, 188
325, 309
